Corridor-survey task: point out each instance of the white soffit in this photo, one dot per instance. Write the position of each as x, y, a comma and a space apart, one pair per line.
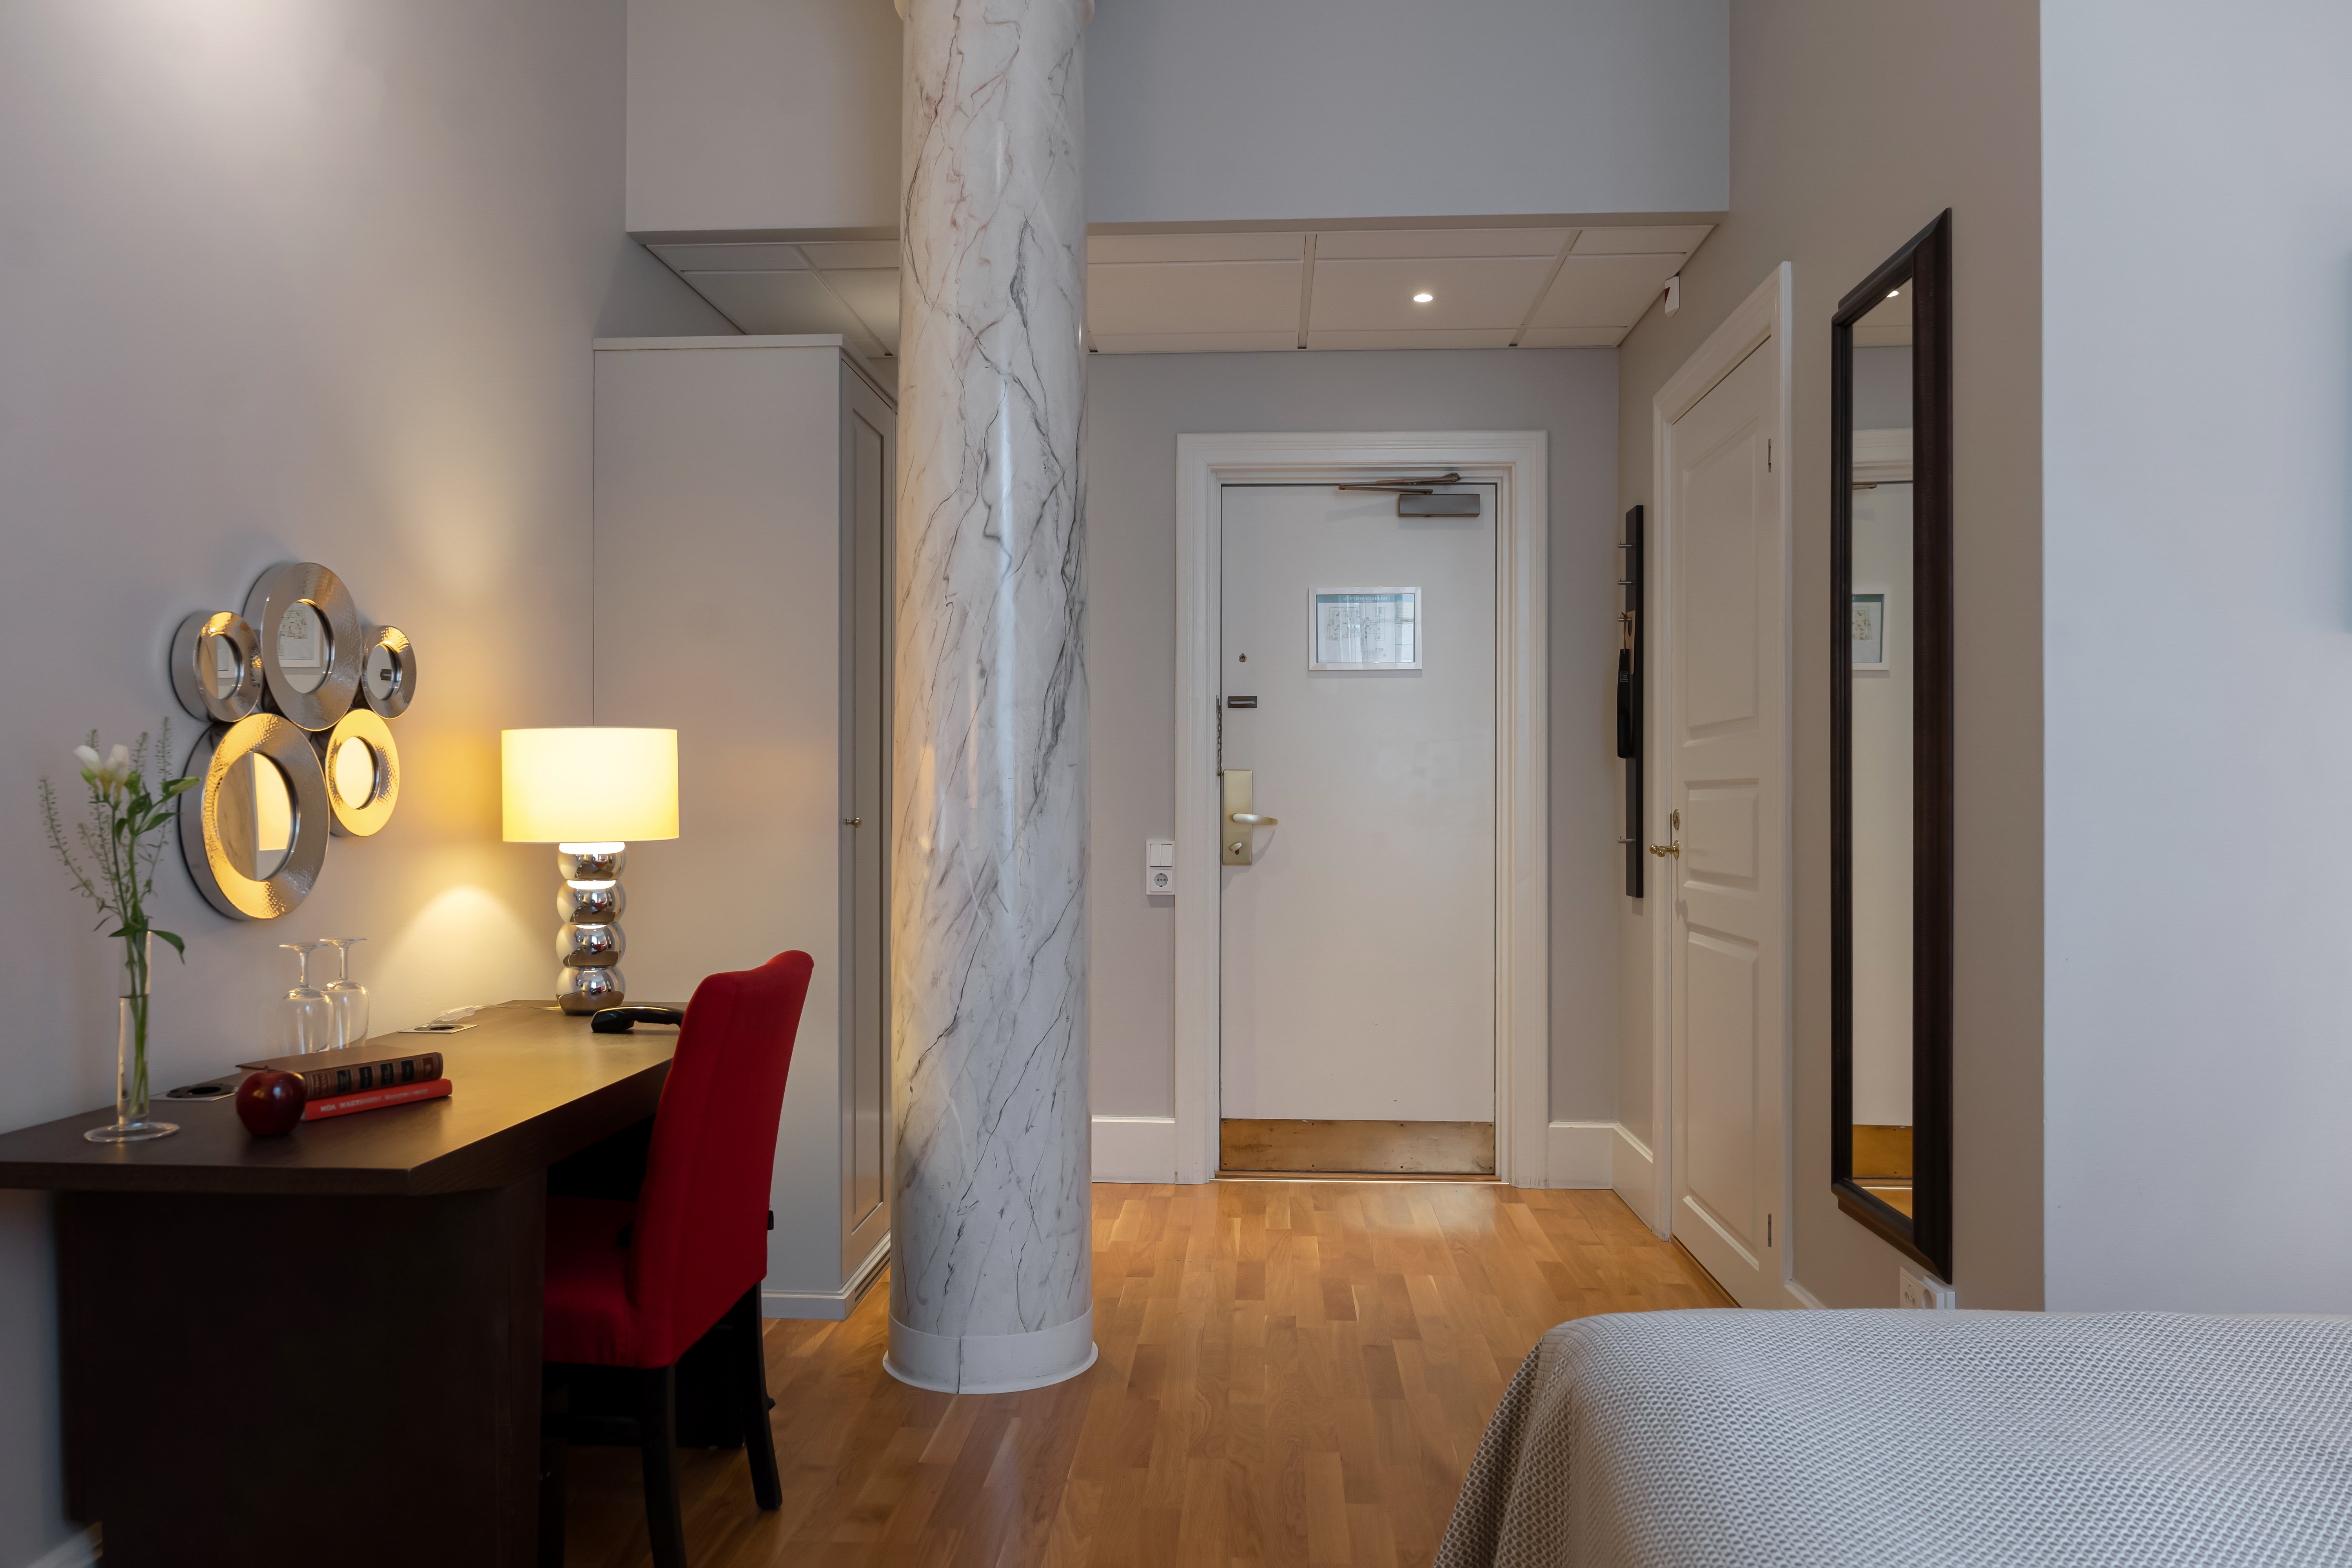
1193, 297
685, 259
780, 302
1347, 244
873, 293
1554, 287
1645, 241
1604, 290
1467, 291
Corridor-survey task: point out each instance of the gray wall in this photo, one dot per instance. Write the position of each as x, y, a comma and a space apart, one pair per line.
1237, 109
2197, 584
1136, 404
280, 282
1205, 110
1852, 126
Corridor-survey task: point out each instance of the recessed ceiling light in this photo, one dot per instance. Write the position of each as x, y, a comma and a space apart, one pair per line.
1423, 298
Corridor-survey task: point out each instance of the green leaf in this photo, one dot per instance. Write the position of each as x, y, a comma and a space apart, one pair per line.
177, 945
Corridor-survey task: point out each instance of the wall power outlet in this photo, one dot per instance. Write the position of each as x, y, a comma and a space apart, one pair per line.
1913, 1289
1159, 866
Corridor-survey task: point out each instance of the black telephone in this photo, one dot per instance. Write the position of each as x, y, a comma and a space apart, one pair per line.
621, 1020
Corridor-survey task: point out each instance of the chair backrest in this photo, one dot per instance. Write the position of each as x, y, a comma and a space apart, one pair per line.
700, 1236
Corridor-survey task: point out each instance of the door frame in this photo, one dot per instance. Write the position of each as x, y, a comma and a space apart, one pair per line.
1514, 462
1765, 315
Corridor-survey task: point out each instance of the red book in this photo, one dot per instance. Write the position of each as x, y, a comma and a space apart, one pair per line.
374, 1099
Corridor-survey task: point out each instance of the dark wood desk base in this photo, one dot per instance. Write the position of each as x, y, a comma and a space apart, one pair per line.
376, 1359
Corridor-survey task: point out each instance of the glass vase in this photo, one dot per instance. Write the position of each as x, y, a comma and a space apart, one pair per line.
132, 1122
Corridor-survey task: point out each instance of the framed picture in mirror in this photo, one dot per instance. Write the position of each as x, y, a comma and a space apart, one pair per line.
1891, 741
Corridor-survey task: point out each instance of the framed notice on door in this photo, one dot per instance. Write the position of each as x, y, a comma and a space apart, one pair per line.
1363, 629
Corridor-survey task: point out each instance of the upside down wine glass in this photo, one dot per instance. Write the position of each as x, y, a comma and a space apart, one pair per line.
306, 1015
350, 998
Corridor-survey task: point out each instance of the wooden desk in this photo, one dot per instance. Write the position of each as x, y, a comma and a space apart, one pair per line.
324, 1348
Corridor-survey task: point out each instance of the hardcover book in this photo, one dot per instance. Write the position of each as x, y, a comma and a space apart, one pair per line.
356, 1070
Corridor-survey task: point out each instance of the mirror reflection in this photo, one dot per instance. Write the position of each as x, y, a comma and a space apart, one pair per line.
257, 817
218, 666
305, 645
352, 772
1883, 690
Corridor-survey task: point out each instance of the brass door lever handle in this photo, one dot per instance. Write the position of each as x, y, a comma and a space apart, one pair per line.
1252, 819
1661, 850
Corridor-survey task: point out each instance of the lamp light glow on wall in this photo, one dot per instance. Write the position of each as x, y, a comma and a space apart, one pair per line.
590, 793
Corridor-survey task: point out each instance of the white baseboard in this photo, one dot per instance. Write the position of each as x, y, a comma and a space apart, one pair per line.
74, 1552
1578, 1154
1633, 1172
1135, 1148
832, 1306
1801, 1297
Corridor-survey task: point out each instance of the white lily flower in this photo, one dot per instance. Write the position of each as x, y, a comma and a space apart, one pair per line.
89, 755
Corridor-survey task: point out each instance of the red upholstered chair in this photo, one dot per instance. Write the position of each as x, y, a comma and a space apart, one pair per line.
636, 1285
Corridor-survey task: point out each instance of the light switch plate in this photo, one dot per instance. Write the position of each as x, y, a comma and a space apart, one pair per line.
1159, 866
1913, 1288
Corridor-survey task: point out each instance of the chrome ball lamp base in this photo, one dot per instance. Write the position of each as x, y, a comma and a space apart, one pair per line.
589, 943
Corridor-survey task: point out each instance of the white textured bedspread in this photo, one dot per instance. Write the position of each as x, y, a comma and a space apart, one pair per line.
1889, 1438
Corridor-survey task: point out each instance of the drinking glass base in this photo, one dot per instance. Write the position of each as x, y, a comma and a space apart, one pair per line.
131, 1131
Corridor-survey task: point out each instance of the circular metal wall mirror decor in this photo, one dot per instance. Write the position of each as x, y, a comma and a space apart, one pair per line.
254, 830
362, 770
388, 671
217, 666
298, 689
312, 642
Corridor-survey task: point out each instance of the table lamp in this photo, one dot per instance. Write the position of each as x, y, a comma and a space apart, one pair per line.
589, 793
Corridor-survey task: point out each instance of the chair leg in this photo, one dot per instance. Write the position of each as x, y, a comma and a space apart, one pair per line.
759, 1437
554, 1449
657, 1431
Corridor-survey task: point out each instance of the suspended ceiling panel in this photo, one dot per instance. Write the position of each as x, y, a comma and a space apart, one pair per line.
1250, 293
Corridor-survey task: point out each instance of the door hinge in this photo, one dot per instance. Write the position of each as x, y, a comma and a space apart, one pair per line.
1768, 453
1768, 1230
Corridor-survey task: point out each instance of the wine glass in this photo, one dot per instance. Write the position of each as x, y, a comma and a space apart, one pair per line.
350, 998
306, 1016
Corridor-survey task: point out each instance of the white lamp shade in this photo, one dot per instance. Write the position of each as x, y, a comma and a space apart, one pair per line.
589, 787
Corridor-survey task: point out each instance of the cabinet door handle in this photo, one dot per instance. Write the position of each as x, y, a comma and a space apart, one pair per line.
853, 822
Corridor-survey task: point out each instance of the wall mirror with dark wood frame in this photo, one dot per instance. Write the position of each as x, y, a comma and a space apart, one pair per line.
1890, 734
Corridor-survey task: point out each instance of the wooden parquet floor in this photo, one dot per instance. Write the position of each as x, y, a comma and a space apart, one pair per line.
1290, 1373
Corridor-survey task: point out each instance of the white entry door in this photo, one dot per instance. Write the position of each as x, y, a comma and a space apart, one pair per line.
1358, 975
1727, 746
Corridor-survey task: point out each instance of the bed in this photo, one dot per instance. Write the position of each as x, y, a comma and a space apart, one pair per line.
1906, 1438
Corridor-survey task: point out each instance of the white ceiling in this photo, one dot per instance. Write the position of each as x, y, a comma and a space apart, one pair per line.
1175, 293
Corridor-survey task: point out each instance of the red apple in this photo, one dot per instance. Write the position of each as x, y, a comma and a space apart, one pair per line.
270, 1102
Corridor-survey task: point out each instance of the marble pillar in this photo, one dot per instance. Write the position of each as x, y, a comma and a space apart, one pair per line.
990, 1259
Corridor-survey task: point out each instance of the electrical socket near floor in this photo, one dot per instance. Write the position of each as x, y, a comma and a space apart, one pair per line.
1913, 1288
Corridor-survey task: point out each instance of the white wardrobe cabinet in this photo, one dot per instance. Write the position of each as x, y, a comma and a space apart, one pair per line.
745, 492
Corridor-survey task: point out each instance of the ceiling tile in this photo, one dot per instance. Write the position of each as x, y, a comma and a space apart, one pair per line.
1454, 338
1471, 291
1634, 241
825, 255
779, 302
1125, 248
873, 293
730, 257
1574, 337
1193, 297
1195, 343
1604, 290
1372, 243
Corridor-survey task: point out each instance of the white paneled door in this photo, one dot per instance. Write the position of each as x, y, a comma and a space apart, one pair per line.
1357, 946
1727, 743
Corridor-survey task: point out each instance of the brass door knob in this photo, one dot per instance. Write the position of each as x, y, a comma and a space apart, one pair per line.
1661, 850
1252, 819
